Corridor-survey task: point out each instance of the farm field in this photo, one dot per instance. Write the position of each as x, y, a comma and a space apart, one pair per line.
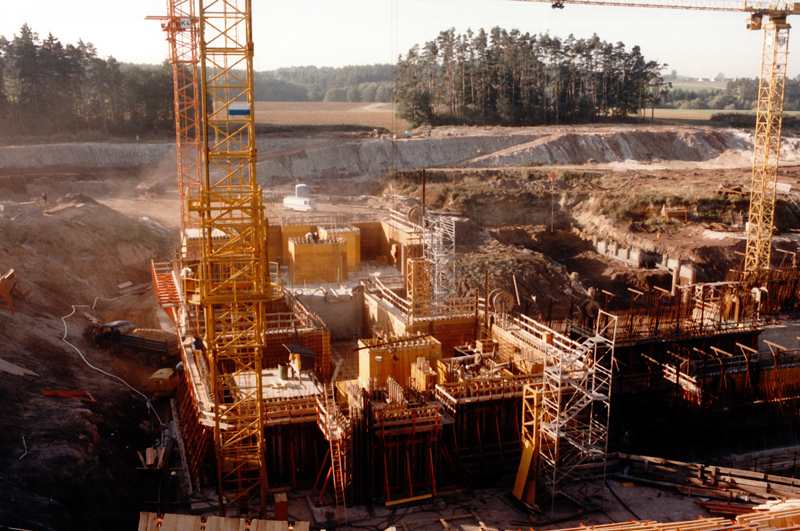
700, 86
374, 115
382, 115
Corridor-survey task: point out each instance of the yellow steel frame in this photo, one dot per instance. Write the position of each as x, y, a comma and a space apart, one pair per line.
767, 147
181, 27
235, 288
180, 24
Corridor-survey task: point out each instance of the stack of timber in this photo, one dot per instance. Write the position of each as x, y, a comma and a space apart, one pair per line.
701, 524
711, 481
780, 461
186, 522
784, 515
776, 516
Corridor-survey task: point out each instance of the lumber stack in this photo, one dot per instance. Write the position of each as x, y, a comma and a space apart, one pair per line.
711, 481
782, 515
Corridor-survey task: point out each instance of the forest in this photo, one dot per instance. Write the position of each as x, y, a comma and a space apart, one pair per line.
52, 89
511, 78
49, 90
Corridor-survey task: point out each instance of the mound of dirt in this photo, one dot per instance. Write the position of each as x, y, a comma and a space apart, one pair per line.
640, 144
69, 463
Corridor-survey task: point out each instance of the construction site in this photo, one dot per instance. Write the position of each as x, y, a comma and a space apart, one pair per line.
474, 328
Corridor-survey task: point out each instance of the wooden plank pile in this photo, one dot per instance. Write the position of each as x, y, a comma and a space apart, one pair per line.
186, 522
774, 516
781, 461
784, 516
710, 481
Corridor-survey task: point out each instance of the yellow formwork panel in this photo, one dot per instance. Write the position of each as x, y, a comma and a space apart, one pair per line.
423, 377
378, 360
317, 262
401, 236
293, 231
352, 238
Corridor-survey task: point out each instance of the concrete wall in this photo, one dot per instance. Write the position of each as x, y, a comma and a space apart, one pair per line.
382, 316
399, 246
450, 332
373, 240
343, 314
352, 237
287, 233
275, 244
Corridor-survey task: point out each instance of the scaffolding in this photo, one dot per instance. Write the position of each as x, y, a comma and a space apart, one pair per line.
439, 238
575, 407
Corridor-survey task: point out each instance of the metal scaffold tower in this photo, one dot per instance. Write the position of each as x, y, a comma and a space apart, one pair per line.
439, 239
234, 276
180, 25
574, 415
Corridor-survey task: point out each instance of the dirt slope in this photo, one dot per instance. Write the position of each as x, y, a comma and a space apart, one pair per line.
69, 464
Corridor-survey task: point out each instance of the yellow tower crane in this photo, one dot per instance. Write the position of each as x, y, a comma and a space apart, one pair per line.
769, 116
234, 287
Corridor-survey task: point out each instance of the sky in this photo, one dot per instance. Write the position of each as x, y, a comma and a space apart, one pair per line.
352, 32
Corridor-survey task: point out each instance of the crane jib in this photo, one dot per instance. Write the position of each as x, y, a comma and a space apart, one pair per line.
769, 8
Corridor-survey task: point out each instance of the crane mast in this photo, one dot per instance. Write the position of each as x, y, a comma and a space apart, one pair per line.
766, 149
232, 288
767, 143
181, 26
235, 288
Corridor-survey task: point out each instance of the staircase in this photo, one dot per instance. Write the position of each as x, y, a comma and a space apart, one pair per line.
166, 288
337, 430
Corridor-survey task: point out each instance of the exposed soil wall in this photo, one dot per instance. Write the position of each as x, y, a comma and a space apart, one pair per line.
313, 159
615, 146
89, 155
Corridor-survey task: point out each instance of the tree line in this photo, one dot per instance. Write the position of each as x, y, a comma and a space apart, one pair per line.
738, 94
362, 83
510, 78
49, 88
67, 91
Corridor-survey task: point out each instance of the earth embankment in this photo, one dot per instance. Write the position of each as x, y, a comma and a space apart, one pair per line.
310, 159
